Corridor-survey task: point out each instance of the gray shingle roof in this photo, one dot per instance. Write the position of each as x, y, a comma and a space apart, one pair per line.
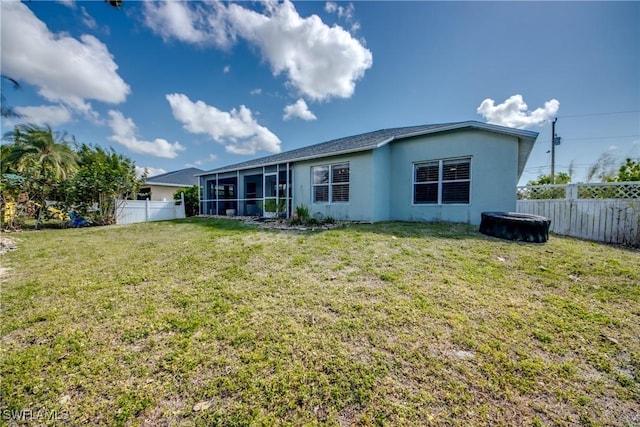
364, 142
186, 177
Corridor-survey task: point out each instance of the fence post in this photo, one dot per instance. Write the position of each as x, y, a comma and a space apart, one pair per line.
146, 210
571, 191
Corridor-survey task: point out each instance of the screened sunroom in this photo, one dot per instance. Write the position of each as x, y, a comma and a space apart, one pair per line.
265, 191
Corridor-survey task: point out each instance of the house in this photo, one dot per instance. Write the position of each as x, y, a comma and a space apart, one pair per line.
441, 172
163, 187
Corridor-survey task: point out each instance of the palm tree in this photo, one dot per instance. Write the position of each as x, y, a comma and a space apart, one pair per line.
44, 156
5, 109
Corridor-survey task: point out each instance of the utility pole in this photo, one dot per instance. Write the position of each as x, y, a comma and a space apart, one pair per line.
553, 150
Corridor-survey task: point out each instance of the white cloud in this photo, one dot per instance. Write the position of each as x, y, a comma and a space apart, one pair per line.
256, 91
88, 19
330, 7
174, 19
149, 170
124, 133
319, 61
191, 22
513, 112
63, 68
237, 129
69, 3
345, 13
300, 110
52, 115
342, 12
226, 69
200, 162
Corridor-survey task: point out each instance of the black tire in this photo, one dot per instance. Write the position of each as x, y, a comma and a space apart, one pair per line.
515, 226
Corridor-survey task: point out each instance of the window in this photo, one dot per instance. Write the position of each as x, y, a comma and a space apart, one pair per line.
340, 183
330, 183
320, 184
144, 194
226, 191
442, 181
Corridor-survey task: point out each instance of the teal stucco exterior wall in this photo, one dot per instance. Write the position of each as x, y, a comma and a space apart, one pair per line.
360, 205
494, 174
381, 184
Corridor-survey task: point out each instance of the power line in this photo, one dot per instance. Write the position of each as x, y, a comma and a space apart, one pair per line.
601, 137
591, 138
600, 114
575, 165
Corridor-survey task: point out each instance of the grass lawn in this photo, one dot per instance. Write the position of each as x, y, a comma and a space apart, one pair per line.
212, 322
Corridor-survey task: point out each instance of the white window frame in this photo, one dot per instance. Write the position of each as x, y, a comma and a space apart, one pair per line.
440, 181
330, 185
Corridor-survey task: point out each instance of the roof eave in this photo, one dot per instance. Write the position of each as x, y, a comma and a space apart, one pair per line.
298, 159
166, 184
519, 133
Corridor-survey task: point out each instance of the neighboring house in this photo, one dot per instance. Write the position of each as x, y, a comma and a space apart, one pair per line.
443, 172
163, 187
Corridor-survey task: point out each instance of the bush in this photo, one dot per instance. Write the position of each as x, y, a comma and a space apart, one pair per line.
191, 199
312, 221
302, 216
278, 208
302, 212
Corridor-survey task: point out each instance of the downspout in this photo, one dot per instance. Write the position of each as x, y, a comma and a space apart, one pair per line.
199, 196
289, 189
216, 191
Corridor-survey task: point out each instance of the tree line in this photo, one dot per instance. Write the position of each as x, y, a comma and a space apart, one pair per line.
603, 170
46, 174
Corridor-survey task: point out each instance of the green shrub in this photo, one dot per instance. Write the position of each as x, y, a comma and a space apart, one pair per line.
191, 199
295, 221
312, 221
270, 205
302, 212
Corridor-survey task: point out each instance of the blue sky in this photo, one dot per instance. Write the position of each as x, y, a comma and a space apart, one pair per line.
206, 84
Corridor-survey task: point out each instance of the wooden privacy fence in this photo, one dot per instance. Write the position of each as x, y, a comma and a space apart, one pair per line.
132, 211
603, 212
